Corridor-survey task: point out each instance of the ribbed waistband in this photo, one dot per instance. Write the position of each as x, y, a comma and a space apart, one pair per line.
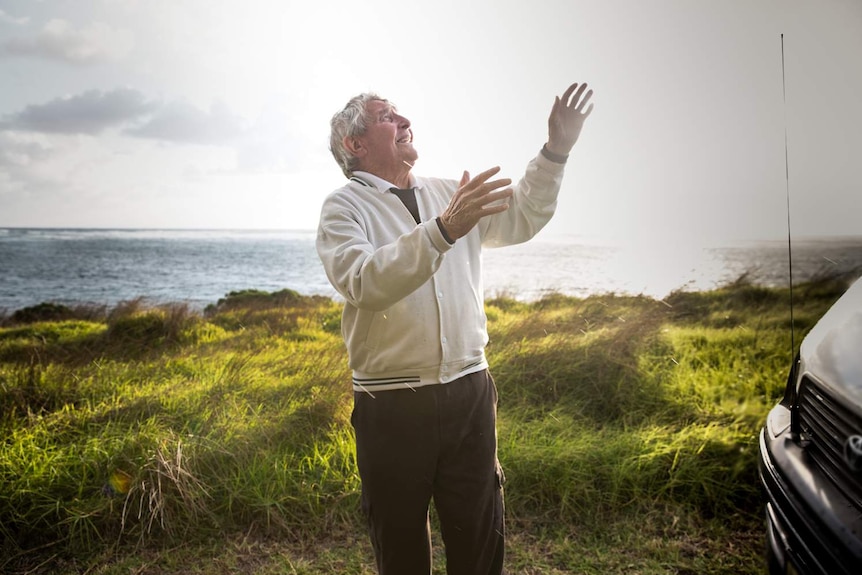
370, 384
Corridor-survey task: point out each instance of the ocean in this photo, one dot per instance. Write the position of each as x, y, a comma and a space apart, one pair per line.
108, 266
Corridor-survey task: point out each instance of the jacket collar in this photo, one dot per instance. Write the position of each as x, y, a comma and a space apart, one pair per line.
370, 180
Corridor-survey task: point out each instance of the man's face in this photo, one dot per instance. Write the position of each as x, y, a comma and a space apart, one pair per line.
387, 142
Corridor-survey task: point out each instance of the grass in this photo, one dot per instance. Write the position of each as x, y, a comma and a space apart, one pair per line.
161, 440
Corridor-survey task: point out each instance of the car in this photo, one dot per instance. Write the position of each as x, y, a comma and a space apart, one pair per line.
810, 465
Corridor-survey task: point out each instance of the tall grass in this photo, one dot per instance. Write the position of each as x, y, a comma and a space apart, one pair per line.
144, 426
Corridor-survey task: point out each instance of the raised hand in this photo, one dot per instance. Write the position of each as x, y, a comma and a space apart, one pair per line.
567, 118
472, 202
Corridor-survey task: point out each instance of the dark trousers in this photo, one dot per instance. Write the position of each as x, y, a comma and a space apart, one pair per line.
438, 442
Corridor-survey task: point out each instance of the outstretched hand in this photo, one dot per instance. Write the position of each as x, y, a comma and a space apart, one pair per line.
567, 118
472, 202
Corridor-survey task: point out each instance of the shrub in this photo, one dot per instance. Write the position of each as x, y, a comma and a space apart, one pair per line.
42, 312
253, 299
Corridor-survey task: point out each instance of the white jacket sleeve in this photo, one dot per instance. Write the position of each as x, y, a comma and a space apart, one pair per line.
531, 206
373, 267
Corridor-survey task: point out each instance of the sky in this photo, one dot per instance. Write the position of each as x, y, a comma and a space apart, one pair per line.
215, 114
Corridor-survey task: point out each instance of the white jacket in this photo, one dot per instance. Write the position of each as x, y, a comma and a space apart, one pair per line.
414, 310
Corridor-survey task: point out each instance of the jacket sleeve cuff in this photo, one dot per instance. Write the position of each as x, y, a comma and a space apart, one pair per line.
556, 158
443, 230
437, 235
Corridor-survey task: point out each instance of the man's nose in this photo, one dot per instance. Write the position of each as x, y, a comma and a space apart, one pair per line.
402, 121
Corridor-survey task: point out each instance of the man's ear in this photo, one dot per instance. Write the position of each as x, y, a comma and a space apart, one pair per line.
353, 145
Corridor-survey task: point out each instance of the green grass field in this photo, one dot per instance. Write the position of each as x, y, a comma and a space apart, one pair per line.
159, 440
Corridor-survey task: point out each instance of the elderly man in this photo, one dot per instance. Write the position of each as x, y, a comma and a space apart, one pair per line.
404, 252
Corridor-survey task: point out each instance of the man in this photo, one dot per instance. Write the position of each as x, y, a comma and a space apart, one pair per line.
404, 252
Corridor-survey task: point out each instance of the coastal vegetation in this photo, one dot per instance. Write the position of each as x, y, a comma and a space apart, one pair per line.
163, 440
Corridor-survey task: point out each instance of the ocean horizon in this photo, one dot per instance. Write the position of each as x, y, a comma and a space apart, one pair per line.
106, 266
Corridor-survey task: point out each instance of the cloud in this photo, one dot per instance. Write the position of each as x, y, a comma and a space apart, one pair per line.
93, 44
41, 150
9, 19
90, 112
95, 111
27, 165
182, 122
18, 152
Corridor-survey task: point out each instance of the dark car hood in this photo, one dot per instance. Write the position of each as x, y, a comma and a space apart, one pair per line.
832, 350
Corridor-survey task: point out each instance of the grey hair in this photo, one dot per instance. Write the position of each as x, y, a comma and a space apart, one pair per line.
349, 122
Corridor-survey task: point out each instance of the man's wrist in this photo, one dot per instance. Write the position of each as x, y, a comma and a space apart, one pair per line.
444, 232
554, 157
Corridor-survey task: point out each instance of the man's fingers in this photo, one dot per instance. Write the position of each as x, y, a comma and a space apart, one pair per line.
481, 184
568, 93
496, 209
483, 177
579, 93
496, 196
495, 185
574, 96
495, 202
583, 102
475, 199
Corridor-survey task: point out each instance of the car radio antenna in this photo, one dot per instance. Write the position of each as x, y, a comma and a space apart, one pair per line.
787, 194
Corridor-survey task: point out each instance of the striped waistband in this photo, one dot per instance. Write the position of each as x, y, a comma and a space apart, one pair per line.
370, 384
